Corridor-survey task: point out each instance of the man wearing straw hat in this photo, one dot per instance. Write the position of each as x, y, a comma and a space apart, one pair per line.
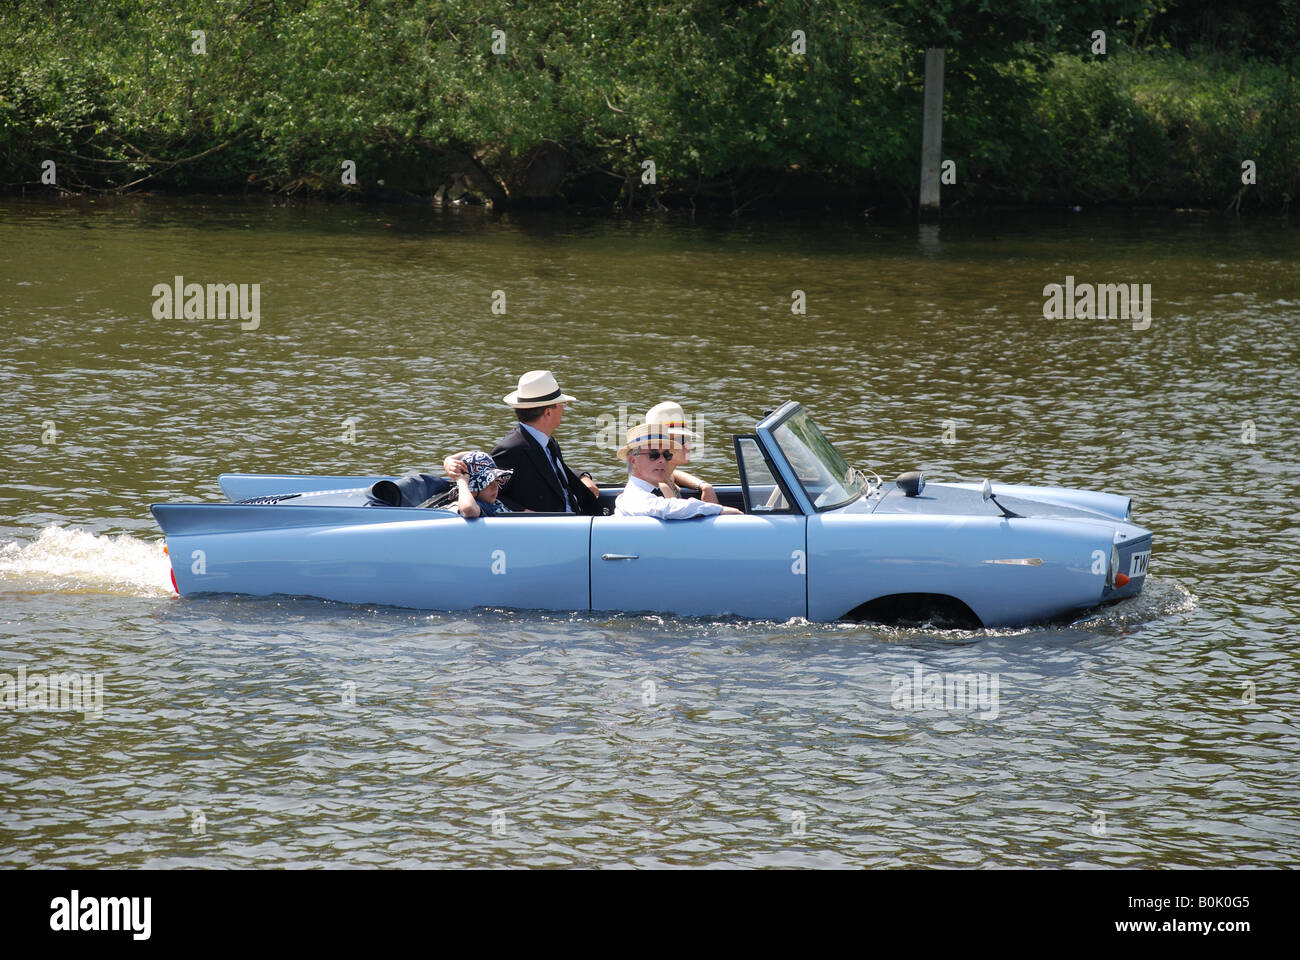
649, 455
542, 482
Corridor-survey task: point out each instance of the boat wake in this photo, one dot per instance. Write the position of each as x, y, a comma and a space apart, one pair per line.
1159, 598
65, 560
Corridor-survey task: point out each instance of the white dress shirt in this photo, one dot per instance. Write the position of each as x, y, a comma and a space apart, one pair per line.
638, 500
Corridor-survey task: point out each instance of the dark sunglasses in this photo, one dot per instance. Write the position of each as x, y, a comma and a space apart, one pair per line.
656, 454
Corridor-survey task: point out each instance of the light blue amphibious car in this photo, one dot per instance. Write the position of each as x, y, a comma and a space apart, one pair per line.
819, 540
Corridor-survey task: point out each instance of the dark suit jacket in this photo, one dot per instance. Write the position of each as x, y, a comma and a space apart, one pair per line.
534, 485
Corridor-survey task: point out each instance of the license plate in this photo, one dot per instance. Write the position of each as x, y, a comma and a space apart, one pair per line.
1137, 564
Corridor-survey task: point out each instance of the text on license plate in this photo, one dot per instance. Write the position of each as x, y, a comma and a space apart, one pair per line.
1137, 564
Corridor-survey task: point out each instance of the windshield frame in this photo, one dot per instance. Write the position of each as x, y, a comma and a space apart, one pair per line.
852, 482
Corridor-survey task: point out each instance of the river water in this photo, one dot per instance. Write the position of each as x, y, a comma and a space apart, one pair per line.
294, 732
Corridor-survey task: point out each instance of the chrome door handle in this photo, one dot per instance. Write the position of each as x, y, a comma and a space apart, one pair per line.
619, 556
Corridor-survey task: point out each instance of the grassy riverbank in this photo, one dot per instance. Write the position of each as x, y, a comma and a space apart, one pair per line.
279, 96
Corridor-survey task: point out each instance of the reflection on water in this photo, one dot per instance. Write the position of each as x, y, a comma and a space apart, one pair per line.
308, 732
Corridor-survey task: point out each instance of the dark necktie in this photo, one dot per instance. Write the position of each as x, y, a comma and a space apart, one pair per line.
658, 492
553, 449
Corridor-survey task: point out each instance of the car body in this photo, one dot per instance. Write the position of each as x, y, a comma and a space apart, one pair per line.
818, 540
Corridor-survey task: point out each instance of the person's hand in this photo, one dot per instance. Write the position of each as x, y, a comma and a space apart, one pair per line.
707, 494
590, 484
454, 468
731, 511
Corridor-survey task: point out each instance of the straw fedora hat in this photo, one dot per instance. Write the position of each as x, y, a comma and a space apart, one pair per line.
671, 416
537, 388
650, 436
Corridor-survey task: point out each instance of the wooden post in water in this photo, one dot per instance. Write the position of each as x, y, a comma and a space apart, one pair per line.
932, 133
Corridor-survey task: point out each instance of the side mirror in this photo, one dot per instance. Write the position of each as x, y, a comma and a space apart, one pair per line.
987, 493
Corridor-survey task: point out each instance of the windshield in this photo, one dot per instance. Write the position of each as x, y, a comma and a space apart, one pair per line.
825, 476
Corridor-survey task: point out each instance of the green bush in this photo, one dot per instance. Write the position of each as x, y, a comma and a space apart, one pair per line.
708, 89
1162, 127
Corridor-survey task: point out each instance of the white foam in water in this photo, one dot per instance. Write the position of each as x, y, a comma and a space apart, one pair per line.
63, 559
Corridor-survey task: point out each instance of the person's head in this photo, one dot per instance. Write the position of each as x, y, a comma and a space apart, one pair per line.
672, 419
649, 453
539, 402
545, 419
485, 478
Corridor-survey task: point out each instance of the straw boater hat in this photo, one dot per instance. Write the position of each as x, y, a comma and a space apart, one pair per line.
537, 388
671, 415
648, 436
